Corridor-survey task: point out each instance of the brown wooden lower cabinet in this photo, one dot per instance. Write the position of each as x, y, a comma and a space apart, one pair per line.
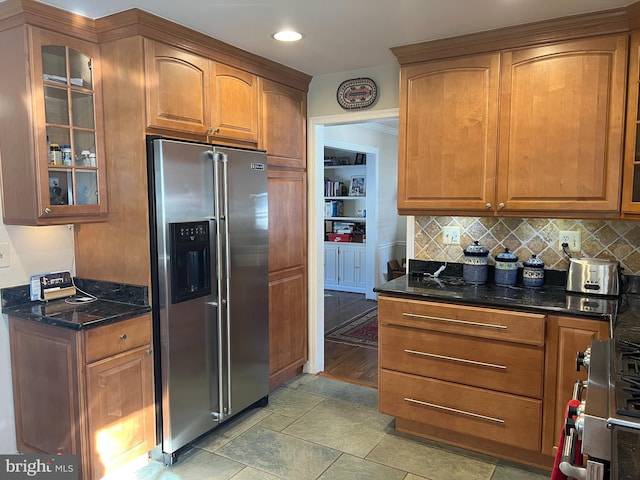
472, 376
566, 336
287, 274
88, 392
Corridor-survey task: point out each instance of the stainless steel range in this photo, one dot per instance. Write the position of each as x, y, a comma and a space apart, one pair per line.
607, 421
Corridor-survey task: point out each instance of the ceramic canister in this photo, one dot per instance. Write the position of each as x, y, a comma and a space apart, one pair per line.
506, 268
533, 272
475, 265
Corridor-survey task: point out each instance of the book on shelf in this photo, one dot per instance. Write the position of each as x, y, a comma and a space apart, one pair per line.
333, 208
335, 189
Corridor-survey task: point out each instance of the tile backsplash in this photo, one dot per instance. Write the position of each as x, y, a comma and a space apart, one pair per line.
610, 239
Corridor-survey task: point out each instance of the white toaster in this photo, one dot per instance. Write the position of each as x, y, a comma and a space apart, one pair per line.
593, 276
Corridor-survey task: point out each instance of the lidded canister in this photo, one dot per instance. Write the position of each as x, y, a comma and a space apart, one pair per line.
533, 272
476, 262
506, 272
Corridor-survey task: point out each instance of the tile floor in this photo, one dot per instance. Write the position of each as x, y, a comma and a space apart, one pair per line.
318, 428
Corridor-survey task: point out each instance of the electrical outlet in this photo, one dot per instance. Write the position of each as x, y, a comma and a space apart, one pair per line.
4, 255
451, 235
571, 238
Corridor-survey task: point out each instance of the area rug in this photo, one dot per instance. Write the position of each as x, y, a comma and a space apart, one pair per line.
361, 330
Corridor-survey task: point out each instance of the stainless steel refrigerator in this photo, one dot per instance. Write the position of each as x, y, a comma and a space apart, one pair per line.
209, 256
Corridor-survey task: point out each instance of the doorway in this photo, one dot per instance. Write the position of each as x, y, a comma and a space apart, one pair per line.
317, 126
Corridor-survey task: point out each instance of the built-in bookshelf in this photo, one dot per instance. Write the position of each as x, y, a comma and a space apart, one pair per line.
345, 195
345, 219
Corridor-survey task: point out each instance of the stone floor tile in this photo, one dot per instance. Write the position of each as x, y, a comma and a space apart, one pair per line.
250, 473
504, 472
227, 432
301, 380
292, 403
347, 392
428, 462
342, 426
199, 464
276, 422
354, 468
278, 454
411, 476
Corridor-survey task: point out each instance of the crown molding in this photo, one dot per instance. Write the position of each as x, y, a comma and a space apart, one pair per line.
612, 21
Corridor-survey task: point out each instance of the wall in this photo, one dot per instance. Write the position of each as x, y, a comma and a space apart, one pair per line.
321, 99
31, 250
610, 239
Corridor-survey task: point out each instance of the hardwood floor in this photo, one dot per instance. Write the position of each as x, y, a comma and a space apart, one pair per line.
348, 363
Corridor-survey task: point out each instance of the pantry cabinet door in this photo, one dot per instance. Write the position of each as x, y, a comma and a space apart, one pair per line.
284, 119
561, 126
448, 135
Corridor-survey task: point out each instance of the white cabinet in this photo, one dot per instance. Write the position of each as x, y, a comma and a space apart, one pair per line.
331, 269
345, 267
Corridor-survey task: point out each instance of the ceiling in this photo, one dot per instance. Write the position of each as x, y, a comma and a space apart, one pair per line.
340, 35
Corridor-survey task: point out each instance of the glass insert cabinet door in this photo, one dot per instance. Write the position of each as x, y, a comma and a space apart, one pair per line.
73, 183
70, 126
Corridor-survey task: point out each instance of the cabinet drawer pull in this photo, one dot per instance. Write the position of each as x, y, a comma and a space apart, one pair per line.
454, 410
123, 336
451, 320
455, 359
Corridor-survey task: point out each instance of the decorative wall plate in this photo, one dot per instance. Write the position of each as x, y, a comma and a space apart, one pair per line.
357, 93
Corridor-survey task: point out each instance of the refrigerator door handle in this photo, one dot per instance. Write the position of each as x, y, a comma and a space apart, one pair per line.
220, 414
227, 259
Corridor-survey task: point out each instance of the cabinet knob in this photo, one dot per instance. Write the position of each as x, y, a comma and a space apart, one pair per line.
216, 131
488, 206
149, 351
501, 205
47, 211
209, 131
123, 336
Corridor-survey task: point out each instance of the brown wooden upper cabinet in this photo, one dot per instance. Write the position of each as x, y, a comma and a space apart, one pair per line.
52, 143
531, 131
631, 185
448, 134
284, 117
192, 94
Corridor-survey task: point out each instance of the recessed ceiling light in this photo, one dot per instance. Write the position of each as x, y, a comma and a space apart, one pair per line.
287, 36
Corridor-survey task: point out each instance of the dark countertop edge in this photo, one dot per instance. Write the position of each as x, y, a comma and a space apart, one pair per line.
134, 311
398, 288
490, 304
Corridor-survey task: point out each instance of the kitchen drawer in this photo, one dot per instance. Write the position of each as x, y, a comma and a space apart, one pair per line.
502, 366
481, 322
500, 417
102, 342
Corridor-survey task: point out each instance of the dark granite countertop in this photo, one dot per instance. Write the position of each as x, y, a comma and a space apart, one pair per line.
549, 299
114, 303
